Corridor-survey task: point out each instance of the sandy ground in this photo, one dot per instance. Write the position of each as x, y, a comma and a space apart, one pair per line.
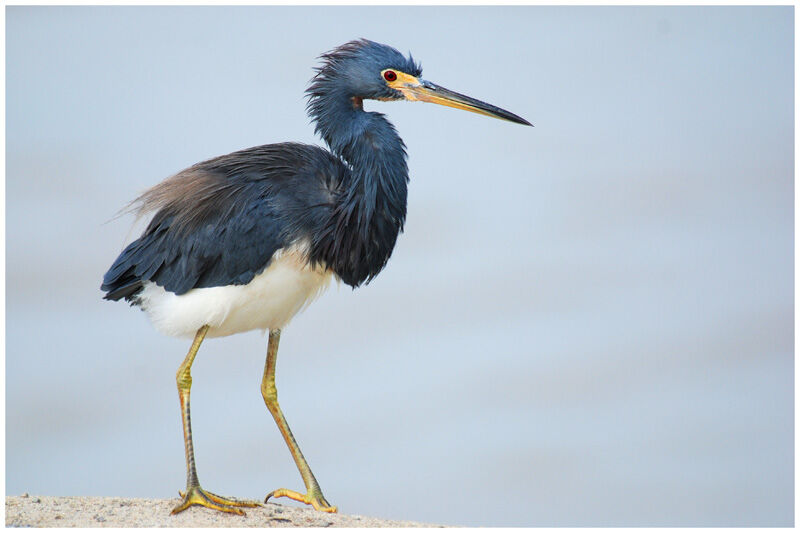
50, 511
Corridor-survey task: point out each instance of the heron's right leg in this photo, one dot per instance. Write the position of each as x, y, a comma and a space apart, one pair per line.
195, 495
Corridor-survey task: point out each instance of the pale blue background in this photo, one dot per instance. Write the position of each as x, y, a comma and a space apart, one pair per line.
589, 322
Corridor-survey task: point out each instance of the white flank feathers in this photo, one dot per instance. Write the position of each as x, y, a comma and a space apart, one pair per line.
269, 301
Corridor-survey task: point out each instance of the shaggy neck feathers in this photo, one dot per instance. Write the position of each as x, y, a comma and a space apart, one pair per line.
370, 202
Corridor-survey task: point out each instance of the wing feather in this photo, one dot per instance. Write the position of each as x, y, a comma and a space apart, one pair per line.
221, 221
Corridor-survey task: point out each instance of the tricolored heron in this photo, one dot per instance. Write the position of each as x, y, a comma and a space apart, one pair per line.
244, 241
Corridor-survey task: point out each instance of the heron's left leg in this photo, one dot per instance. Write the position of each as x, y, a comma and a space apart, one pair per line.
313, 495
196, 495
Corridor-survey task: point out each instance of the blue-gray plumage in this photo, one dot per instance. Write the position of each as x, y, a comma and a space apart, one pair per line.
244, 240
240, 210
351, 203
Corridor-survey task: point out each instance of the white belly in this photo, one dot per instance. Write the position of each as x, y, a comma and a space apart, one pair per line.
269, 301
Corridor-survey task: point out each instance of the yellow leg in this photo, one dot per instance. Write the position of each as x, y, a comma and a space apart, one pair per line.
194, 494
313, 495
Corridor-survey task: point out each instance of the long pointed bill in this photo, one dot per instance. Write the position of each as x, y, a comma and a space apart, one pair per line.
417, 89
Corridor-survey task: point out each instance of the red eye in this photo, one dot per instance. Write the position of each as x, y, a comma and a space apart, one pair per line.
389, 75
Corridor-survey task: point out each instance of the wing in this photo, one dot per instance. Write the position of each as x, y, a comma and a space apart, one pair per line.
220, 222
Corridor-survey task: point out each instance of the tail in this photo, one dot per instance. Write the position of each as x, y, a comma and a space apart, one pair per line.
126, 277
120, 281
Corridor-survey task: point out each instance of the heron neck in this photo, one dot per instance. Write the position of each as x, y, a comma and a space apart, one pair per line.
371, 201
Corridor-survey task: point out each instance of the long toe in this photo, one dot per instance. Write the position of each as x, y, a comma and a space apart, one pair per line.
313, 498
198, 496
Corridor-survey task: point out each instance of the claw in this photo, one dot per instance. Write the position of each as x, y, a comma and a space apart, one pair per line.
313, 498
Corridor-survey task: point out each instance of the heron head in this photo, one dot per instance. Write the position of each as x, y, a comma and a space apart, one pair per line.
365, 69
355, 69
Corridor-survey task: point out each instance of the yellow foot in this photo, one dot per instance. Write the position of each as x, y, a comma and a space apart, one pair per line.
198, 496
314, 498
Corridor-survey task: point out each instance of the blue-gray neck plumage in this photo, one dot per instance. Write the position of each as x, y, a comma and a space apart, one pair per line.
370, 201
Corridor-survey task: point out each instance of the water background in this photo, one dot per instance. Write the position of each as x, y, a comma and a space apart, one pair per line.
589, 322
